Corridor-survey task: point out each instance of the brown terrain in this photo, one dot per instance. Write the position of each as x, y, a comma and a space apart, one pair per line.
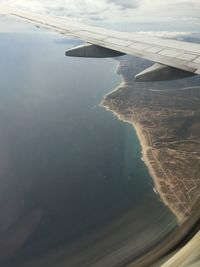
166, 117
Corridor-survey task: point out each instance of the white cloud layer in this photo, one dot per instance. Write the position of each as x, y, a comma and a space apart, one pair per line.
138, 11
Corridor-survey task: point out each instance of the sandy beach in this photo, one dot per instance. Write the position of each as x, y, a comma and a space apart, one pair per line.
144, 147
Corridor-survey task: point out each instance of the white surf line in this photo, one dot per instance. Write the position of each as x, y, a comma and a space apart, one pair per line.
180, 89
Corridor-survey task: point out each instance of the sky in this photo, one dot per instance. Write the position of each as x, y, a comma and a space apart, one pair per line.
177, 15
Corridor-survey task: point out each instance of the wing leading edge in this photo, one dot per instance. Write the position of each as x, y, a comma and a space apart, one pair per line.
169, 54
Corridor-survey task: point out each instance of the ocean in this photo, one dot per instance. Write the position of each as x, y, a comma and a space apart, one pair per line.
69, 168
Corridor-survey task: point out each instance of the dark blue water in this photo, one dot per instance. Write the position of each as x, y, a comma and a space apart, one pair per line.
72, 164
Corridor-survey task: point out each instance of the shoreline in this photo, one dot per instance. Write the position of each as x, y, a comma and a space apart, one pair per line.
144, 151
121, 84
145, 148
137, 127
143, 143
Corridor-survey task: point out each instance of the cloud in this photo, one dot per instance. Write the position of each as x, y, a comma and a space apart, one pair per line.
171, 8
146, 12
103, 10
125, 4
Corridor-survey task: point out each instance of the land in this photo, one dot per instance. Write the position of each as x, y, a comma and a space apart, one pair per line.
166, 117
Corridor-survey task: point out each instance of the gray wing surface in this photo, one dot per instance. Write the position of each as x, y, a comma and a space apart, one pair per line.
177, 54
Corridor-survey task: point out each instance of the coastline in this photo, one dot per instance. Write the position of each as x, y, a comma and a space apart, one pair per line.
121, 84
144, 149
143, 143
138, 129
113, 102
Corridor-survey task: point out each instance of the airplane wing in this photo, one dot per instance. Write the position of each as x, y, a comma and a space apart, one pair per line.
174, 59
